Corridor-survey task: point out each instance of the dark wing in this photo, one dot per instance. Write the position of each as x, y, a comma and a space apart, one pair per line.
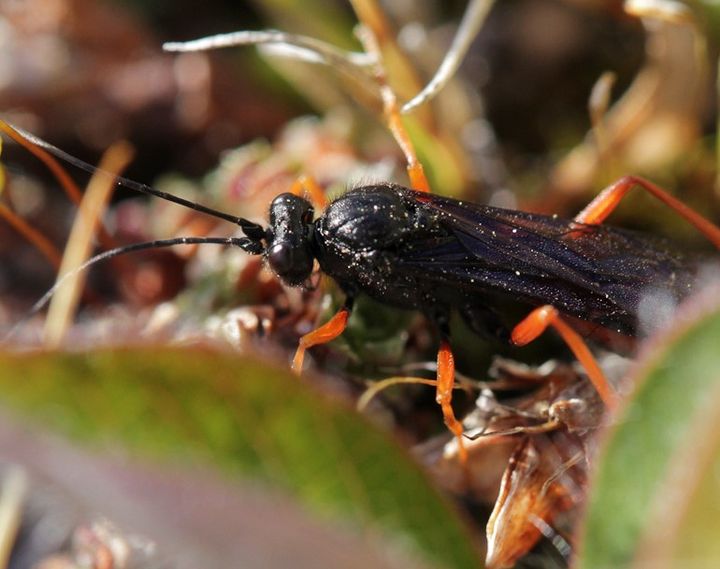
594, 272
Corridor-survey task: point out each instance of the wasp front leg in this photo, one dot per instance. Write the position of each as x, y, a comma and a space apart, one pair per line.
324, 334
306, 184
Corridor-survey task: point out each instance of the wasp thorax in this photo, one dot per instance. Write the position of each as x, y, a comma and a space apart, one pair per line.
289, 252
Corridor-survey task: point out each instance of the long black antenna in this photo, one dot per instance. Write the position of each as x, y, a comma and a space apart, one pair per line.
246, 244
252, 230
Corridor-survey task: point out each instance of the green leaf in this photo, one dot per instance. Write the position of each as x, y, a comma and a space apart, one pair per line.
696, 541
250, 419
653, 475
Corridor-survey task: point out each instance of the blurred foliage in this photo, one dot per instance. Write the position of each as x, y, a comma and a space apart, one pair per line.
511, 130
249, 418
655, 493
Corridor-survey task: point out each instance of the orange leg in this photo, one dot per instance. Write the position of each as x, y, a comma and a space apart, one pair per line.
308, 184
418, 181
322, 335
445, 383
415, 171
596, 212
607, 200
535, 323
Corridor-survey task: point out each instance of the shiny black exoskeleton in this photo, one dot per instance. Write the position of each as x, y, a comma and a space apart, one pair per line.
419, 251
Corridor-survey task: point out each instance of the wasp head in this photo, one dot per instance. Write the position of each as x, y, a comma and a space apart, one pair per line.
289, 250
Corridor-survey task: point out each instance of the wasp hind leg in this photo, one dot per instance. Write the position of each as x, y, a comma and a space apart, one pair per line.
595, 213
535, 324
606, 201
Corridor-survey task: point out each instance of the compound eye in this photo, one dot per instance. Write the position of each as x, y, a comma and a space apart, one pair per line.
281, 258
292, 264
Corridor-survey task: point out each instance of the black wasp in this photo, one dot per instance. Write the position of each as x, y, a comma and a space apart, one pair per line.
420, 251
415, 250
